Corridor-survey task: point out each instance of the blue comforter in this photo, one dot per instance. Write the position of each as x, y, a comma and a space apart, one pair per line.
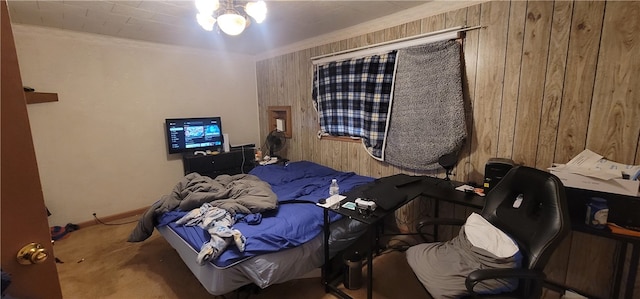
291, 224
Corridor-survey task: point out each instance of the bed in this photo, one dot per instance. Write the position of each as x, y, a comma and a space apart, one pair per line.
286, 244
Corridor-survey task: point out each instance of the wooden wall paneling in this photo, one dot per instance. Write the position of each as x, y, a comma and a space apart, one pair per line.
301, 101
452, 19
591, 264
533, 71
344, 156
613, 125
344, 45
295, 101
354, 157
325, 147
315, 149
556, 268
637, 160
327, 152
308, 115
459, 18
470, 59
363, 159
324, 49
336, 46
377, 168
512, 76
275, 87
433, 23
490, 74
281, 73
370, 38
556, 64
356, 42
413, 28
262, 86
280, 67
304, 104
272, 80
584, 42
395, 32
379, 36
290, 100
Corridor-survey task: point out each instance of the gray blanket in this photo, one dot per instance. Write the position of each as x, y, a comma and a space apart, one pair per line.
442, 267
427, 116
242, 193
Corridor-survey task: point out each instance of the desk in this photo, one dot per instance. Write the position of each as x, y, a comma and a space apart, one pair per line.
440, 190
577, 200
411, 187
373, 219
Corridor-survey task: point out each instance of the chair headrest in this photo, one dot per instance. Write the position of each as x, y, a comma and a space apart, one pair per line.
529, 205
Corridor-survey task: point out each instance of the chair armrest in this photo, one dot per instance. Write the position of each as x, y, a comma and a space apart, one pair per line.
439, 221
424, 222
477, 276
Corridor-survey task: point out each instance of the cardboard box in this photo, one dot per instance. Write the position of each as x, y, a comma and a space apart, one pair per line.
617, 186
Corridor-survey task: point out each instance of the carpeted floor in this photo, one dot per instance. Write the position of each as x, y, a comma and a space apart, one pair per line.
99, 263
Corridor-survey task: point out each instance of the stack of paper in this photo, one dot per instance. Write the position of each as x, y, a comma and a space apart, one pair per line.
589, 170
593, 165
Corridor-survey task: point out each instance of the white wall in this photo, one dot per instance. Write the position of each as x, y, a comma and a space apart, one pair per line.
101, 148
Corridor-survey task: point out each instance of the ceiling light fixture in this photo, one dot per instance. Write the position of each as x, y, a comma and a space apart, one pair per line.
232, 19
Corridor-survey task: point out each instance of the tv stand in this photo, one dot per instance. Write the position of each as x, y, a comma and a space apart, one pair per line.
232, 162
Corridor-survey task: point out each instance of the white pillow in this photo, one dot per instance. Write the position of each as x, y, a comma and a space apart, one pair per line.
483, 234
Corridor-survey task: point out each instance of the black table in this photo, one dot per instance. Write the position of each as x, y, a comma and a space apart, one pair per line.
409, 187
620, 207
440, 190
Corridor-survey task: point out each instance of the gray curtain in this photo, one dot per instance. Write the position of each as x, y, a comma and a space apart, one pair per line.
427, 117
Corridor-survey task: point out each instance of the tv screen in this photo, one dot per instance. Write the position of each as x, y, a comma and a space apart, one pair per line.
194, 134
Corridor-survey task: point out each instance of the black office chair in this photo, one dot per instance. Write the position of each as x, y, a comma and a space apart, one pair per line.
537, 226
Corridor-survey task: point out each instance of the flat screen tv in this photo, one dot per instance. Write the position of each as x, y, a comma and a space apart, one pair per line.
194, 134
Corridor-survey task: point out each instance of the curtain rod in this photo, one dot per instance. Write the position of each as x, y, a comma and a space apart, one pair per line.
449, 33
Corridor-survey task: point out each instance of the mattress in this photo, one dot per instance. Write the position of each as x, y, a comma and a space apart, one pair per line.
287, 244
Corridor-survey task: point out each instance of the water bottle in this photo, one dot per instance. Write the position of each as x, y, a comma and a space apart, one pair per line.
334, 189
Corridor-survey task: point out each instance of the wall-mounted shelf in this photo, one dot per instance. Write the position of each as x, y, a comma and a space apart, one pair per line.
280, 118
40, 97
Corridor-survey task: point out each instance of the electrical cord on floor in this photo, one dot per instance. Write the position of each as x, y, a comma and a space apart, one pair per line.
105, 223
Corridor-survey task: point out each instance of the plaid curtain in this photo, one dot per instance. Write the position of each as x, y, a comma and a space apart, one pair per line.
353, 98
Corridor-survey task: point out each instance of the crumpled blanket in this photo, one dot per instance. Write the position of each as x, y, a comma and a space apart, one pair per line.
241, 193
442, 267
219, 223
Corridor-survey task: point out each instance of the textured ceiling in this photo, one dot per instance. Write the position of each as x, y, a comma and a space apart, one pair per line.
173, 22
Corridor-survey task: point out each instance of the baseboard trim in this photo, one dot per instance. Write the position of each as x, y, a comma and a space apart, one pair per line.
107, 219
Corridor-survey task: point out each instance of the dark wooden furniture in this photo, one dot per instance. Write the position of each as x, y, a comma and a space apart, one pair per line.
233, 162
